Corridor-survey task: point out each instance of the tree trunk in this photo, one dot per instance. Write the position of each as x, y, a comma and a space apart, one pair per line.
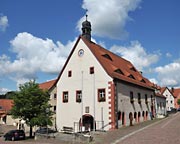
30, 132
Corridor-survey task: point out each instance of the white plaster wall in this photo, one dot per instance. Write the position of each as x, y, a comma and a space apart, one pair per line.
160, 109
169, 99
53, 102
68, 113
124, 104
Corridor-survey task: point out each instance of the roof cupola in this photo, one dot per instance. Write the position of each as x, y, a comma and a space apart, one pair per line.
86, 29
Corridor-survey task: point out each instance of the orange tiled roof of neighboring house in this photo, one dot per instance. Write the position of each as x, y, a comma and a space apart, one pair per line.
114, 65
176, 92
6, 105
162, 89
47, 85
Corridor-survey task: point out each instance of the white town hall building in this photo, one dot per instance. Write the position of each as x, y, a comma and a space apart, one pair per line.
97, 89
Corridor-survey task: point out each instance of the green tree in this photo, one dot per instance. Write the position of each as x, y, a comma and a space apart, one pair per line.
31, 105
178, 102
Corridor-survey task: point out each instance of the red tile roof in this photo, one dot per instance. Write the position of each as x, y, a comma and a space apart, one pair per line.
6, 104
47, 85
176, 92
117, 67
162, 89
114, 65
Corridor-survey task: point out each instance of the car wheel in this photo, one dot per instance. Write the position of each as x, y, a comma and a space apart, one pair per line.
12, 138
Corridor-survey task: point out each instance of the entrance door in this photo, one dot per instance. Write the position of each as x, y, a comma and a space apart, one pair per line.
88, 122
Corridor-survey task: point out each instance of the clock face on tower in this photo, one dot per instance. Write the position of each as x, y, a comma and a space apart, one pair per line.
81, 52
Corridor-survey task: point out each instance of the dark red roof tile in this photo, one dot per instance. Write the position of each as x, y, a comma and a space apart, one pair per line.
47, 85
6, 104
111, 62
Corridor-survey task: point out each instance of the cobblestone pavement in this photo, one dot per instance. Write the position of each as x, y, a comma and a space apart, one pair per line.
164, 131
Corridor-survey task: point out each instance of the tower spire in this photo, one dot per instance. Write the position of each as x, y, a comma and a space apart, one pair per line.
86, 29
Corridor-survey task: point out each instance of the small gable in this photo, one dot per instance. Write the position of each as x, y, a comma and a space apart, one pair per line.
107, 56
143, 81
131, 76
119, 71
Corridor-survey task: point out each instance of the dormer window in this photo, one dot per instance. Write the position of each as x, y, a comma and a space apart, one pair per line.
143, 81
119, 71
131, 76
107, 56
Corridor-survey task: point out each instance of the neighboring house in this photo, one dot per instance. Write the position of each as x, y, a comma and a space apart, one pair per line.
5, 107
97, 89
160, 103
53, 96
176, 93
170, 99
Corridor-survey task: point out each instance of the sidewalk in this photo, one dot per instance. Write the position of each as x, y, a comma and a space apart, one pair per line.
98, 137
111, 136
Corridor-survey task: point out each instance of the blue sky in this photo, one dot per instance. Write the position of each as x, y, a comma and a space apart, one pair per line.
36, 37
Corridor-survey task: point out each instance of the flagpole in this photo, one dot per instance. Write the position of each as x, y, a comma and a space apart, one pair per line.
81, 100
94, 123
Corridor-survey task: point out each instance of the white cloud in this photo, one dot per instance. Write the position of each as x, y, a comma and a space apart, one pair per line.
168, 75
136, 54
3, 22
109, 17
153, 80
4, 90
34, 55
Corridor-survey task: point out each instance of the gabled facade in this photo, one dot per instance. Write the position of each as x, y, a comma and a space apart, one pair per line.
52, 92
5, 107
176, 93
49, 86
170, 99
97, 89
160, 103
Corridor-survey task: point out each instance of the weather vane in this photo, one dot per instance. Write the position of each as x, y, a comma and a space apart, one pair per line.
86, 14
